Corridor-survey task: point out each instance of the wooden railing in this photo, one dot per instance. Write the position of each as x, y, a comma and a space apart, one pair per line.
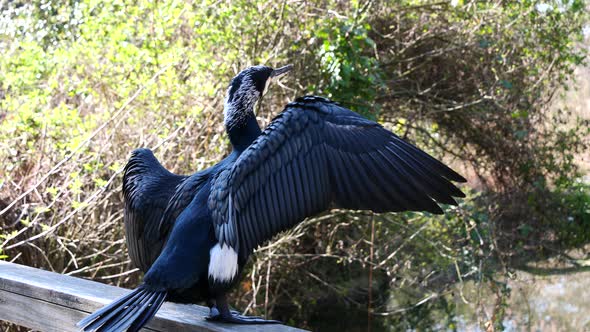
48, 301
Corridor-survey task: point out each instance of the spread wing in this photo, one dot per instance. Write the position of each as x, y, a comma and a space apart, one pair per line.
316, 153
147, 188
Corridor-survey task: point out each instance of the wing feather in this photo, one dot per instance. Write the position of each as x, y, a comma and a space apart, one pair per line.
147, 189
316, 153
154, 198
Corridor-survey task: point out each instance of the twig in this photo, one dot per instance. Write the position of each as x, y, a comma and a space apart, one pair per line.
371, 253
268, 266
86, 141
71, 214
402, 245
120, 274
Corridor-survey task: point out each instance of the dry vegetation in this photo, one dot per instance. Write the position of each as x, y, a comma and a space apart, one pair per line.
83, 83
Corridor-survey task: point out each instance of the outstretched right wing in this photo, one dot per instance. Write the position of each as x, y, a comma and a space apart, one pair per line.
147, 188
317, 153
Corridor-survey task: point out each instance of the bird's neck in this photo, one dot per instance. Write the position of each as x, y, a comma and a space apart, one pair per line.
241, 126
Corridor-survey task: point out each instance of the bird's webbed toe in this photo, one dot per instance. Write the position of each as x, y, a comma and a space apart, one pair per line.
235, 318
215, 315
222, 313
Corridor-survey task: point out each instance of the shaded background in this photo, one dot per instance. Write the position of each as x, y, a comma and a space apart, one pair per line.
498, 89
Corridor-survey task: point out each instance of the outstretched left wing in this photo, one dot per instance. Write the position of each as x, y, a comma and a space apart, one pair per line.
147, 188
317, 153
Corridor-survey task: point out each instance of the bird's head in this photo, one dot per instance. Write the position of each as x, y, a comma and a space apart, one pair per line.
246, 88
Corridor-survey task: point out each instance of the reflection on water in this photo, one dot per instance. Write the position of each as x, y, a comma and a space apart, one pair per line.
551, 296
559, 302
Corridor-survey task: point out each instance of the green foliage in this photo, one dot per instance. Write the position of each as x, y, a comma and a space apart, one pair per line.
574, 224
350, 72
82, 83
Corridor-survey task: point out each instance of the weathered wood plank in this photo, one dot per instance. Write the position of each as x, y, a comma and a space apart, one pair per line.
50, 301
37, 314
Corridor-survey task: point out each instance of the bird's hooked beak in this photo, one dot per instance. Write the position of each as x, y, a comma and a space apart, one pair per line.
275, 75
281, 71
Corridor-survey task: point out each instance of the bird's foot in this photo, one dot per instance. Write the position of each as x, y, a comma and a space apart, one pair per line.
214, 313
221, 312
236, 318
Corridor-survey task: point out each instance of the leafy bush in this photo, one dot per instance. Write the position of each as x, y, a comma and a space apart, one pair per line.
82, 83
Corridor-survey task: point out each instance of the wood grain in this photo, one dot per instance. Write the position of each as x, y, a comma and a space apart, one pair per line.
48, 301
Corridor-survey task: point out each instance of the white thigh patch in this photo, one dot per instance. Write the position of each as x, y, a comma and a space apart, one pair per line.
223, 263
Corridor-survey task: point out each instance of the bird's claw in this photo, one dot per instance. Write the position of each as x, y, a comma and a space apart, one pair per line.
236, 318
214, 313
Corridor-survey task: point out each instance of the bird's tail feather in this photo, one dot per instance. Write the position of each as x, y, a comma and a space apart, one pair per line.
130, 312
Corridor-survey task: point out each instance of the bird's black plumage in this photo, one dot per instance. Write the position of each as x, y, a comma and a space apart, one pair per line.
147, 188
192, 235
129, 312
316, 153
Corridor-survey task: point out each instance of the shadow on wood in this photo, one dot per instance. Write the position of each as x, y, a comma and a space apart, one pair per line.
48, 301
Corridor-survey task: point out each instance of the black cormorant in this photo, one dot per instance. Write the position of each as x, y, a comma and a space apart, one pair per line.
192, 235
